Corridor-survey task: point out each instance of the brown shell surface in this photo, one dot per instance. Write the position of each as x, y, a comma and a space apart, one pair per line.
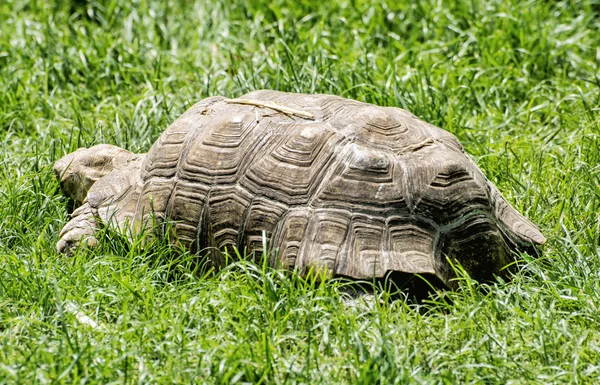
360, 189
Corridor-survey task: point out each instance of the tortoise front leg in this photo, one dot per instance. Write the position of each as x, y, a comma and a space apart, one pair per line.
80, 230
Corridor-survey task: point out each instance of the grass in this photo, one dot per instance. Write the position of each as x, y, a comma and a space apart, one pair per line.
518, 82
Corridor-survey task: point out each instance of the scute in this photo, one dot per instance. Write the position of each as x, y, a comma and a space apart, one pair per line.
293, 170
364, 177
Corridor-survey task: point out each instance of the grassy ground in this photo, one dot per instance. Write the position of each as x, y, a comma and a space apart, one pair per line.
517, 81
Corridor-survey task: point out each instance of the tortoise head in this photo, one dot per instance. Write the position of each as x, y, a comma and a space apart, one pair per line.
78, 171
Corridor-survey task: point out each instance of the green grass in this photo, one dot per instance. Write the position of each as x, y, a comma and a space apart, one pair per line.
517, 82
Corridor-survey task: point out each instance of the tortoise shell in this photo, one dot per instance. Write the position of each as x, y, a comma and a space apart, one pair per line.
358, 189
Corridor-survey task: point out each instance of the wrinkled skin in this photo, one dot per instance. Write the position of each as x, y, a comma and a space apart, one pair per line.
77, 172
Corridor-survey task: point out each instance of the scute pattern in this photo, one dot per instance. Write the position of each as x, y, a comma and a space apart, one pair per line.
293, 169
359, 190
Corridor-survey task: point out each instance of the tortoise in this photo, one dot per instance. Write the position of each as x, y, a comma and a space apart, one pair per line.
348, 187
